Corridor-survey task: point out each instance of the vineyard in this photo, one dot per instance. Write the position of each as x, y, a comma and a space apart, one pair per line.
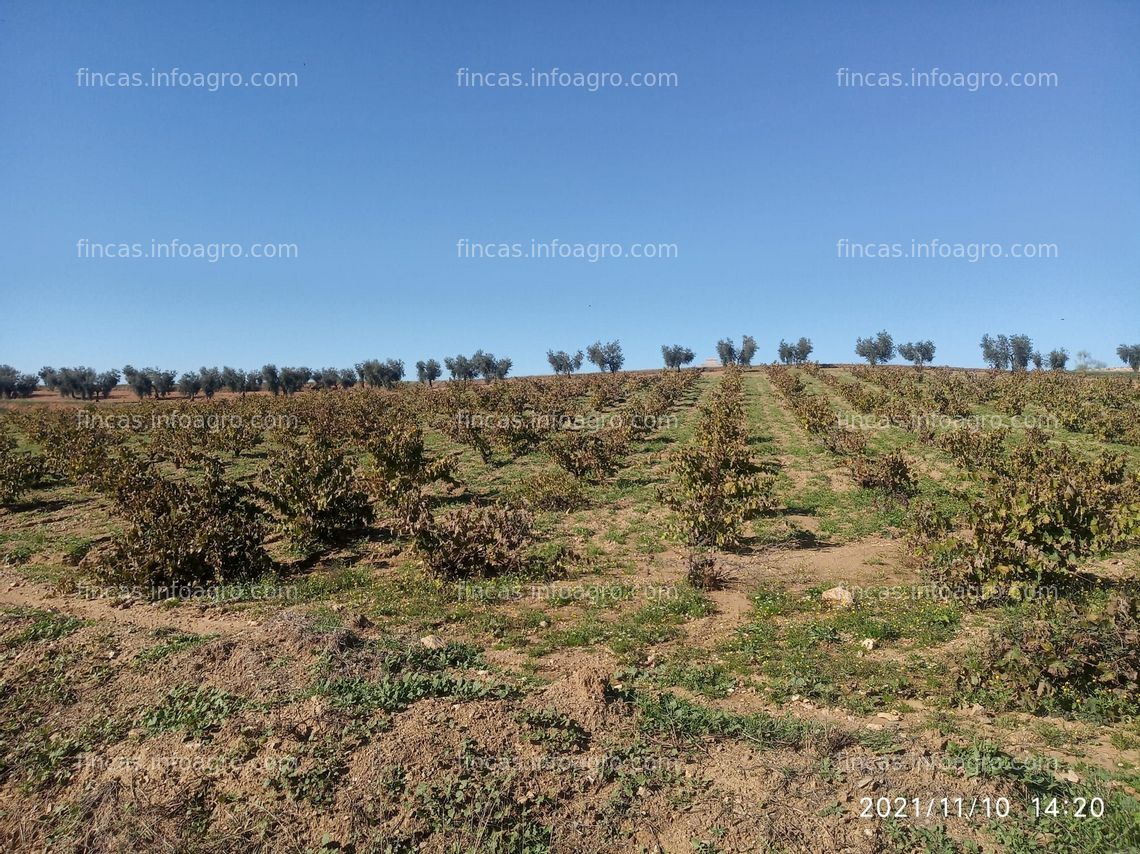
688, 610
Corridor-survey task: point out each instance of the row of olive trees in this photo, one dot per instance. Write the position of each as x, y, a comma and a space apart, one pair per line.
464, 368
1000, 352
676, 355
1130, 355
881, 348
81, 383
607, 357
14, 384
85, 384
286, 380
1016, 353
795, 354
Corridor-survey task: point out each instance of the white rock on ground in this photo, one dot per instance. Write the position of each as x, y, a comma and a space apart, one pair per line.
839, 595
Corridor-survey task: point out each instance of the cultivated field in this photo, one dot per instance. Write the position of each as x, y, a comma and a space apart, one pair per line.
778, 609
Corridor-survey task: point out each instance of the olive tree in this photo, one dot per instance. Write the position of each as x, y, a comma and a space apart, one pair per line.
676, 355
377, 374
233, 381
189, 384
1086, 362
996, 351
608, 356
460, 368
211, 381
139, 381
240, 382
272, 379
876, 350
726, 351
429, 371
15, 384
105, 383
918, 353
326, 378
747, 351
563, 363
1020, 352
1130, 355
294, 379
490, 368
795, 354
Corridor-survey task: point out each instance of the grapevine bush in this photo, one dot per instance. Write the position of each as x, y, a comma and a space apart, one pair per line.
18, 472
589, 454
71, 451
553, 489
1046, 509
889, 474
181, 532
1069, 657
316, 494
716, 486
474, 542
402, 467
1043, 510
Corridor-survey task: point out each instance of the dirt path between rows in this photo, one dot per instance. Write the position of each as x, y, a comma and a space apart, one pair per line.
191, 617
865, 563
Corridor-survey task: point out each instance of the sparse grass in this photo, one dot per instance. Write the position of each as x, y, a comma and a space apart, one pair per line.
1053, 735
921, 622
197, 711
332, 581
879, 741
47, 759
410, 673
44, 626
1124, 741
75, 548
553, 730
1058, 801
904, 838
18, 548
695, 670
802, 648
421, 659
684, 721
634, 631
362, 696
312, 775
481, 811
172, 643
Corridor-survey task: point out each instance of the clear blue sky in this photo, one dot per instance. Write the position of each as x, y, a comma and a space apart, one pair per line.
377, 163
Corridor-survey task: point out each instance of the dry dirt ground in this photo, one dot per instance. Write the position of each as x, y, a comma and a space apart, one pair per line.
309, 728
355, 704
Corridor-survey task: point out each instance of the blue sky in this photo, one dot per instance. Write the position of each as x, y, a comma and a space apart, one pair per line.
376, 163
